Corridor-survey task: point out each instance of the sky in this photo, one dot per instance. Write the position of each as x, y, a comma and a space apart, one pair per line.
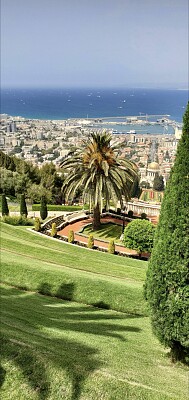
94, 43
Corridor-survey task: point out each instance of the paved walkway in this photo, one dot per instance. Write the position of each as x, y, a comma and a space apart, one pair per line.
77, 226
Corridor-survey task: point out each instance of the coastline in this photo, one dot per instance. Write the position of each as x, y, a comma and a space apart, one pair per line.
62, 104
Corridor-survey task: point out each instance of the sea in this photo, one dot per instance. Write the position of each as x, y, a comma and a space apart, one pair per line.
65, 103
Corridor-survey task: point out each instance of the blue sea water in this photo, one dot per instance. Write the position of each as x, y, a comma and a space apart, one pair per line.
92, 103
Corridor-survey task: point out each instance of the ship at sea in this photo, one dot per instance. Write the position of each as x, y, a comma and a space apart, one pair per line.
59, 104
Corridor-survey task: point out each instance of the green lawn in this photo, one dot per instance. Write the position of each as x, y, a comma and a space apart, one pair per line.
14, 208
55, 349
106, 231
36, 263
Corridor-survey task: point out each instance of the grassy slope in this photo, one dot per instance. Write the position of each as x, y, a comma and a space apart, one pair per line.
29, 261
55, 349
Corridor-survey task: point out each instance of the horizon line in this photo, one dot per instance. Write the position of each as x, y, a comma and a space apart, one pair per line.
118, 87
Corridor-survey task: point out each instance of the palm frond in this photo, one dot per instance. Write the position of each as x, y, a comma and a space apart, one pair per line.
98, 170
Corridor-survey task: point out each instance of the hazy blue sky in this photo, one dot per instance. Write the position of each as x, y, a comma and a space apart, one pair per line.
94, 43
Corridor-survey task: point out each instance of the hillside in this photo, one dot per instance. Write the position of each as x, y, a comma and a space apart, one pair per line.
58, 349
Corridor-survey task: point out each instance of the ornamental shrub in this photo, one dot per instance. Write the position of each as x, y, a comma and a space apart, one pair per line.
111, 247
143, 216
43, 208
17, 220
71, 236
90, 243
4, 205
130, 214
23, 207
37, 225
139, 235
167, 282
54, 230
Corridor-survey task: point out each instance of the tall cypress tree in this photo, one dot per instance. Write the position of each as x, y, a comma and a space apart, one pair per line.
167, 284
4, 205
23, 207
43, 208
158, 182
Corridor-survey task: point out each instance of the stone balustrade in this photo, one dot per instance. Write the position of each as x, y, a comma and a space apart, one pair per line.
144, 207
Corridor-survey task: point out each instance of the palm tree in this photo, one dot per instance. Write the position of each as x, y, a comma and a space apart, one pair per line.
98, 169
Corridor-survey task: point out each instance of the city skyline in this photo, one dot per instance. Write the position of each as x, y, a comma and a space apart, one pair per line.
94, 43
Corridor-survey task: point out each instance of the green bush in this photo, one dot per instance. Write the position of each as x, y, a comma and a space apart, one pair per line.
37, 225
23, 207
71, 236
111, 247
90, 243
54, 230
143, 216
139, 235
17, 220
43, 208
167, 284
4, 205
130, 214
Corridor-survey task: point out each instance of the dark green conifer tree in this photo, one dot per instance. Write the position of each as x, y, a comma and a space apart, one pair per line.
158, 182
4, 205
23, 207
43, 208
167, 284
136, 190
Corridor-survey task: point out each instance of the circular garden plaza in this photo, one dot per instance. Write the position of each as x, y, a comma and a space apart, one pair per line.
77, 227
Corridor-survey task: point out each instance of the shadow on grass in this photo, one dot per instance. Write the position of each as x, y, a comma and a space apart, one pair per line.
31, 366
2, 375
37, 333
101, 304
106, 231
65, 290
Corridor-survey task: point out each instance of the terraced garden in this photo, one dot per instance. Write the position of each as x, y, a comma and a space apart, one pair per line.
73, 350
106, 231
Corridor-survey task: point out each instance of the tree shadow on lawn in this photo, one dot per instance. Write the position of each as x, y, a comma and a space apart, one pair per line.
2, 375
106, 230
37, 337
31, 365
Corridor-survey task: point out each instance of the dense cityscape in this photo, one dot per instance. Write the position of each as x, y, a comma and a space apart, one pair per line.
42, 141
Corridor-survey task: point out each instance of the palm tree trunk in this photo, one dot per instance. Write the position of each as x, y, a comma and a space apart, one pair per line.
96, 217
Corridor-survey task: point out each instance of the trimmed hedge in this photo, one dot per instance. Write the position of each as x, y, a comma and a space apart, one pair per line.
90, 244
37, 225
111, 247
23, 206
71, 236
43, 208
4, 205
53, 230
54, 207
